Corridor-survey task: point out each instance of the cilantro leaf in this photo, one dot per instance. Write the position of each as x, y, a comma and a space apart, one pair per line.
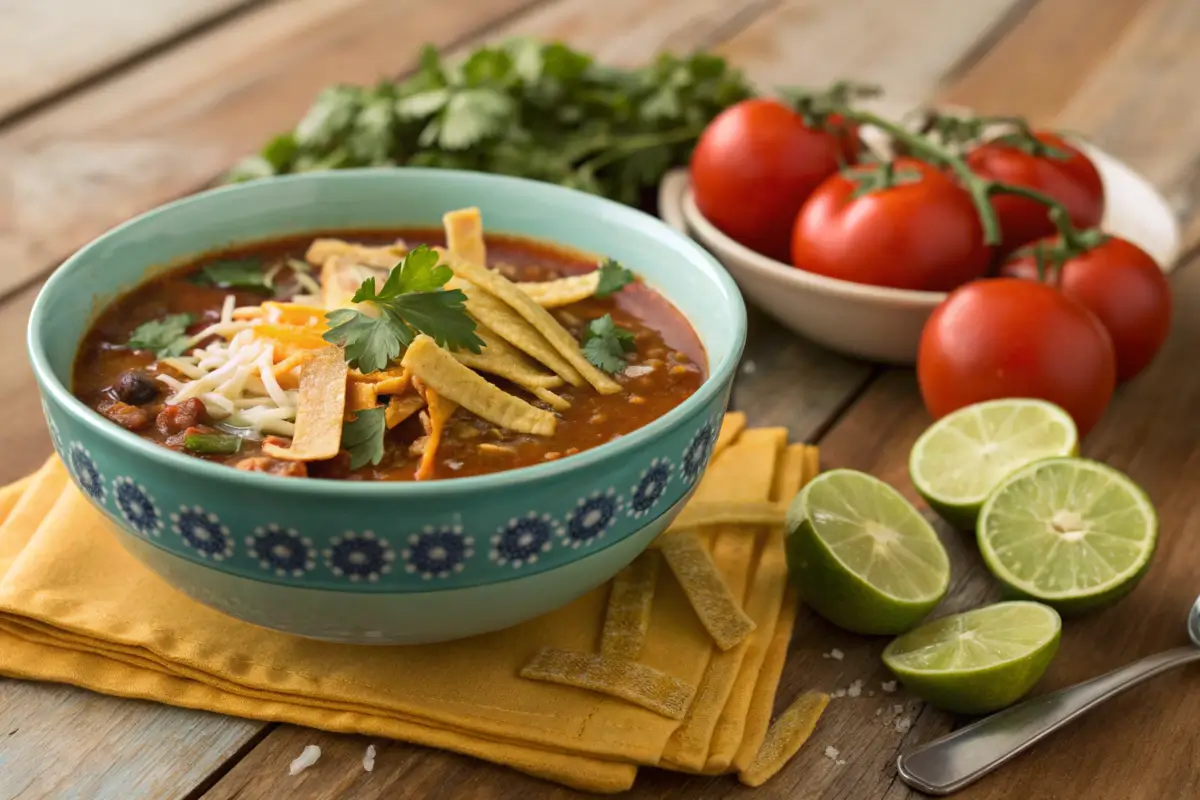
411, 301
613, 278
235, 273
362, 437
166, 336
605, 344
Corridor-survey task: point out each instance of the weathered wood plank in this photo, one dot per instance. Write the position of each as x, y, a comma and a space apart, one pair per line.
23, 435
50, 45
62, 742
167, 127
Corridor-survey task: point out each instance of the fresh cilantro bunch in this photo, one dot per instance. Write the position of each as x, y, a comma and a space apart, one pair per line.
411, 301
526, 108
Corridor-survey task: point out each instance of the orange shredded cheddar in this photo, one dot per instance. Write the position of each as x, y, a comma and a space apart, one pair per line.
288, 339
360, 395
440, 410
393, 385
629, 607
287, 373
785, 737
635, 683
710, 597
401, 407
319, 411
295, 314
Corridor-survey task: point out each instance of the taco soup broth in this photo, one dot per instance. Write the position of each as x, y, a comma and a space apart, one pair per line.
668, 364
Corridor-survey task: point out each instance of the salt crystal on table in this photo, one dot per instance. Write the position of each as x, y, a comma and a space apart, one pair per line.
903, 724
831, 753
889, 686
855, 689
308, 756
836, 654
840, 693
878, 711
899, 709
369, 759
749, 367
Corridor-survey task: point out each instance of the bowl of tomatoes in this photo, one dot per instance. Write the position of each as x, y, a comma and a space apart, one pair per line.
851, 230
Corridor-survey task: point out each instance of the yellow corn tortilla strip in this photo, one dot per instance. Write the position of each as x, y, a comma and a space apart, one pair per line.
710, 597
439, 370
464, 235
559, 338
360, 395
629, 606
563, 291
440, 411
698, 514
322, 250
551, 399
512, 328
500, 358
340, 278
785, 737
396, 385
394, 371
632, 682
731, 428
401, 407
319, 411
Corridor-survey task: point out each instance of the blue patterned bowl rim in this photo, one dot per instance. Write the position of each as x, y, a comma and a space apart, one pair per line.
720, 373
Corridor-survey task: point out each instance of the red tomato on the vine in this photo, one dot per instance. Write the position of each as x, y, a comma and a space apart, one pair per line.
1072, 181
1123, 286
921, 232
755, 165
1005, 337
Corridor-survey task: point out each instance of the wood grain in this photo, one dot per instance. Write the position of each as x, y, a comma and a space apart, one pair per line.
48, 46
167, 127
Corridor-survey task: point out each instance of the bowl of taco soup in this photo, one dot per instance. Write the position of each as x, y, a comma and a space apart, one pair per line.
388, 406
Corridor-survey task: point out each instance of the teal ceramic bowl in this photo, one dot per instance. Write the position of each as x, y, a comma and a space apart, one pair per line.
386, 562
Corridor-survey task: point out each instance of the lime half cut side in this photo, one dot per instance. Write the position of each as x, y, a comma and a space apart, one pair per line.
1072, 533
862, 556
978, 661
963, 456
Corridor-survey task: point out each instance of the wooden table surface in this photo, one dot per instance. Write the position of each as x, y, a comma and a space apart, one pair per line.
111, 107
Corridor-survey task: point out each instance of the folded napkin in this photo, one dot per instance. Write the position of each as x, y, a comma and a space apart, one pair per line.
76, 608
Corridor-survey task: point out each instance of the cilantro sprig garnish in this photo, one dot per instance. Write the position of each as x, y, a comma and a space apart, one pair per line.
411, 301
235, 273
605, 344
166, 337
613, 278
362, 437
522, 107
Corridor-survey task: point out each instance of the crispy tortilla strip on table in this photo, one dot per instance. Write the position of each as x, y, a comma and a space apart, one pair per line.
386, 257
401, 407
635, 683
320, 410
360, 395
785, 737
563, 291
508, 325
440, 371
559, 337
629, 606
699, 514
440, 411
500, 358
464, 235
731, 428
707, 592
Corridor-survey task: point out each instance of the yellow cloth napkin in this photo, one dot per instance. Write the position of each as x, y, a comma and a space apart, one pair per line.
76, 608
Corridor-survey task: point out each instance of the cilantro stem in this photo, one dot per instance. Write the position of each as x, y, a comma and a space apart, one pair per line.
629, 145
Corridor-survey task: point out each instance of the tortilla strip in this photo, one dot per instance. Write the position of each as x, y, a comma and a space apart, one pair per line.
509, 326
464, 235
630, 602
401, 407
500, 358
785, 737
439, 370
635, 683
287, 373
378, 376
322, 250
719, 611
562, 292
560, 339
440, 411
319, 411
393, 385
551, 399
340, 278
699, 514
360, 395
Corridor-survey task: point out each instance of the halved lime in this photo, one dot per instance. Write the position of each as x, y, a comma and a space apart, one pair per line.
1070, 532
980, 660
862, 556
963, 456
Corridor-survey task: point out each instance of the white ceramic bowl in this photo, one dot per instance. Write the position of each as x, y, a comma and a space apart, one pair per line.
883, 324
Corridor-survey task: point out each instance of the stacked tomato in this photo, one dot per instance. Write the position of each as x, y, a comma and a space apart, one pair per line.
1048, 307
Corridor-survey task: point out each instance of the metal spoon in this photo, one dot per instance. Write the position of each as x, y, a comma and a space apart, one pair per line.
957, 760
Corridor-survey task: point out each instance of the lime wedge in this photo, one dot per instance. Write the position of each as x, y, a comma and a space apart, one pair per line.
980, 660
1072, 533
862, 556
962, 457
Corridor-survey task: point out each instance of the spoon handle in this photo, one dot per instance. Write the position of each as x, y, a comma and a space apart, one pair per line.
958, 759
